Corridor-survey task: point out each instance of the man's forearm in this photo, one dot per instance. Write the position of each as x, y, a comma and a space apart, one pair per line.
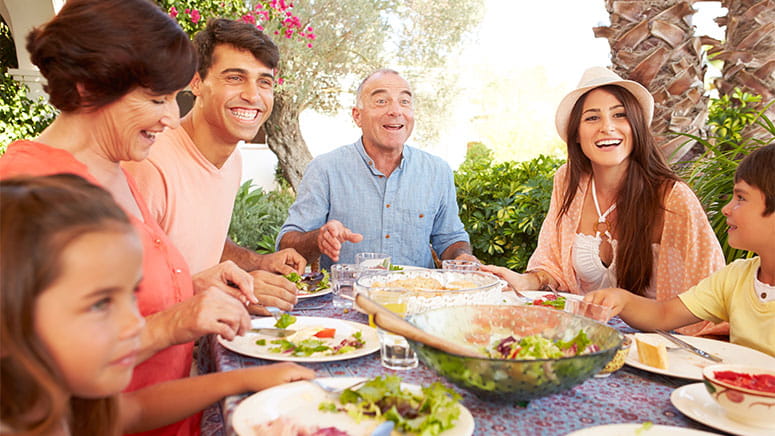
457, 249
306, 243
245, 258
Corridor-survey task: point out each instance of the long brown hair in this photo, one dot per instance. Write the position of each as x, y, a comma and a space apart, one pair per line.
640, 200
41, 217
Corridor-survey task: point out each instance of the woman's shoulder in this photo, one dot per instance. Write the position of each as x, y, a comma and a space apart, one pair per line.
680, 194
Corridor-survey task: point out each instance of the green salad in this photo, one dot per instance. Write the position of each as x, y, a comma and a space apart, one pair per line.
539, 347
310, 283
427, 413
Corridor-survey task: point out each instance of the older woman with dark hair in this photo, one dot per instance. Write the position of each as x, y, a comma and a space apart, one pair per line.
619, 216
113, 68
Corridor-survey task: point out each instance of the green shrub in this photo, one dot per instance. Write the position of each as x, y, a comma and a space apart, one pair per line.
258, 216
503, 205
20, 116
711, 176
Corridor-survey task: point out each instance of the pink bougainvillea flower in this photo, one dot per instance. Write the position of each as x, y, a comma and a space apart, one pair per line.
195, 16
173, 12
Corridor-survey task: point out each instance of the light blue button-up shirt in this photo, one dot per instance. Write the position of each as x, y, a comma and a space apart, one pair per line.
399, 215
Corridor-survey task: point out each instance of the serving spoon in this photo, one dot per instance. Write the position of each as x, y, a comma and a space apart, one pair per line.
393, 323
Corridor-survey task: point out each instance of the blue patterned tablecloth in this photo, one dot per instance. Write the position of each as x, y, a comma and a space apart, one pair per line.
627, 396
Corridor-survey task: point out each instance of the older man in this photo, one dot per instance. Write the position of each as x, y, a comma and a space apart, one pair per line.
377, 194
192, 174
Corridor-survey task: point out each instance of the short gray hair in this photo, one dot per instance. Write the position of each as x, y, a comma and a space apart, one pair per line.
358, 99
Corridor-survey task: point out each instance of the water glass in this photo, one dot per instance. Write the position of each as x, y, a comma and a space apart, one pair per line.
590, 310
343, 278
395, 352
373, 261
460, 265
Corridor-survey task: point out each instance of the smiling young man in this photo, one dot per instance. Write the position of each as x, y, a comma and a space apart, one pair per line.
193, 172
378, 194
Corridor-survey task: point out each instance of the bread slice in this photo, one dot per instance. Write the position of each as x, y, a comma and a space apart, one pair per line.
651, 352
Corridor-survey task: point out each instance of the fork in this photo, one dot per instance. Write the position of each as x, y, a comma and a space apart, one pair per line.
330, 390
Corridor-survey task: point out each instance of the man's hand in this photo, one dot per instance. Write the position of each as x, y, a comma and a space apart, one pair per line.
272, 290
468, 257
332, 235
229, 278
283, 262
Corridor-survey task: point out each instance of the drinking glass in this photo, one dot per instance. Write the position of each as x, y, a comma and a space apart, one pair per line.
460, 265
373, 261
395, 352
590, 310
343, 278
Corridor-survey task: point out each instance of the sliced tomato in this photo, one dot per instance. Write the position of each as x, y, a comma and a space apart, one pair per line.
325, 333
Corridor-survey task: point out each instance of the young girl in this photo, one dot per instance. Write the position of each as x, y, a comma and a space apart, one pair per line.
70, 327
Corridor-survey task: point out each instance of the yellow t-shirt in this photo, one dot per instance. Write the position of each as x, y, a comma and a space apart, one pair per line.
728, 295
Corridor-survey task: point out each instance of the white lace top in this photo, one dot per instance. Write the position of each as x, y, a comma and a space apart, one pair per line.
590, 270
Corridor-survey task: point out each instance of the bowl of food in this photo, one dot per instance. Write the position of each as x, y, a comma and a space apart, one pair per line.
527, 352
429, 289
746, 393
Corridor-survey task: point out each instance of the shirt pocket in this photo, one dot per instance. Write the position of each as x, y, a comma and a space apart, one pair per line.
414, 225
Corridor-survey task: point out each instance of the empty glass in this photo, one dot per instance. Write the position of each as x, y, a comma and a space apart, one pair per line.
343, 278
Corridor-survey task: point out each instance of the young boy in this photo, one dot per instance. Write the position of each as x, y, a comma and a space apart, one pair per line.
743, 292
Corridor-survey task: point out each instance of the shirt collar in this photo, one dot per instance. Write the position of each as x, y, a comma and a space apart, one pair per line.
405, 155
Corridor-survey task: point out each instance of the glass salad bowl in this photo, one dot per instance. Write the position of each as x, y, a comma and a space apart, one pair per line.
428, 289
512, 379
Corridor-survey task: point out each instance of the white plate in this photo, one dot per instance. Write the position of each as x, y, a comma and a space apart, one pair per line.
637, 430
299, 401
247, 344
685, 364
302, 294
534, 295
695, 402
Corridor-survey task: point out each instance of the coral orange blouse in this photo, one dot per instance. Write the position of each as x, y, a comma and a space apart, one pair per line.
166, 278
689, 250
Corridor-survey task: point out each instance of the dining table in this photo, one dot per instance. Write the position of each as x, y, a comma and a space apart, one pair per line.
629, 395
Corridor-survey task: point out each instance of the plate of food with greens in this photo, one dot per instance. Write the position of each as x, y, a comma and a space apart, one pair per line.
433, 410
305, 339
311, 284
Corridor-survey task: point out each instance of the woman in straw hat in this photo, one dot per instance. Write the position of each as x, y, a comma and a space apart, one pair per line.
619, 216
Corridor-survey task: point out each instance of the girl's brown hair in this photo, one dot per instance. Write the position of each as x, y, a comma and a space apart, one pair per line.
640, 201
40, 217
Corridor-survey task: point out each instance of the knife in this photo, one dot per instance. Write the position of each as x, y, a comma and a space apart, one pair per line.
271, 331
687, 346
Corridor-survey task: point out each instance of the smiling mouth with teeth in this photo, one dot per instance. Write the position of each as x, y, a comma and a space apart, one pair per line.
393, 126
608, 143
245, 114
150, 135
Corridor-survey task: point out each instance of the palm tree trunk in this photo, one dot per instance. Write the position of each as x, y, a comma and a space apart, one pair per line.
653, 43
748, 53
284, 139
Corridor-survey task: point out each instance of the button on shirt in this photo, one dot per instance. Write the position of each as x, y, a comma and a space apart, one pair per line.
399, 215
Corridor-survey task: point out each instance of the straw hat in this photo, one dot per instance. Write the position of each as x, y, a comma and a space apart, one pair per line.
596, 77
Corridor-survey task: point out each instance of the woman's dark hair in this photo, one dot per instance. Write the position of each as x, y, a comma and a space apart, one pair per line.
240, 35
107, 48
640, 201
758, 170
41, 217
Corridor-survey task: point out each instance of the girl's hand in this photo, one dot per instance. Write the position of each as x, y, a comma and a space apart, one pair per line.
266, 376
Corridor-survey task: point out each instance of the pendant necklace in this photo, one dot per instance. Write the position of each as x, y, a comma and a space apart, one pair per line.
601, 226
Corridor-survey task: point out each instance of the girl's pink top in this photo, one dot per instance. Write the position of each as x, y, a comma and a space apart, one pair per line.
166, 278
689, 250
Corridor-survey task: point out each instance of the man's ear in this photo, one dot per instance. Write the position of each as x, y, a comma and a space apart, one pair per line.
357, 116
196, 84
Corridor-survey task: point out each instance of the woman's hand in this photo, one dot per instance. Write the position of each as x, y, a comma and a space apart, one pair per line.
229, 278
517, 282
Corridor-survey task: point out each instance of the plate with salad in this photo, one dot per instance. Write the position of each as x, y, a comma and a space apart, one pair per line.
311, 284
358, 411
545, 298
314, 339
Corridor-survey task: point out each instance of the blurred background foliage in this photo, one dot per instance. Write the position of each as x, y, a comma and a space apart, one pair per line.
258, 216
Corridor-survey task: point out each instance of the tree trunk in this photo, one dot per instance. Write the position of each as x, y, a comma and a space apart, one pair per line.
284, 139
748, 53
653, 43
